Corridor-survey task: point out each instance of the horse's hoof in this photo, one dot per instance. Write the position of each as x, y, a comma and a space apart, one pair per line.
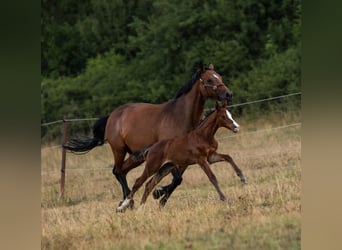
163, 201
157, 193
123, 205
120, 203
120, 210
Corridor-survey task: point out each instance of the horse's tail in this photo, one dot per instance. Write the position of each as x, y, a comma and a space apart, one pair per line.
85, 145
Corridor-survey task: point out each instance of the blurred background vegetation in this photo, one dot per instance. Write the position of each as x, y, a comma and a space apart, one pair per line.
99, 54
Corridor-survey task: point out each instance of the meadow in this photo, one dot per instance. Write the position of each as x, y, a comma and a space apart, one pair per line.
263, 214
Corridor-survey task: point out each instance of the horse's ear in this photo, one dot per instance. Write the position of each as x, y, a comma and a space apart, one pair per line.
224, 104
217, 105
211, 66
202, 68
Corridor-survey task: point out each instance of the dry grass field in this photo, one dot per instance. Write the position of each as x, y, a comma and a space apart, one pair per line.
264, 214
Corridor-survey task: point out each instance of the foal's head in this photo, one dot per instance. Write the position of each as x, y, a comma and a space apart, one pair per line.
212, 85
225, 119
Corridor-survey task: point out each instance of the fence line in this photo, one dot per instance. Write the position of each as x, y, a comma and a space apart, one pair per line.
236, 158
225, 137
229, 106
264, 100
262, 130
50, 123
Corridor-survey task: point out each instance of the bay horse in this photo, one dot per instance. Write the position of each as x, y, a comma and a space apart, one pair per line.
198, 146
133, 127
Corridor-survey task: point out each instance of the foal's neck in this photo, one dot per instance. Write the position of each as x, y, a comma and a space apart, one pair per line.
208, 127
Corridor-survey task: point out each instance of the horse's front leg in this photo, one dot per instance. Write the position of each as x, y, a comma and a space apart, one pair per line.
166, 191
206, 168
216, 157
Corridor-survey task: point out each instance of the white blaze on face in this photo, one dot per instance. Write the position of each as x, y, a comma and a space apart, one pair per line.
229, 115
216, 76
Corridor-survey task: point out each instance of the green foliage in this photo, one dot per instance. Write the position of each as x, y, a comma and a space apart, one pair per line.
278, 75
97, 55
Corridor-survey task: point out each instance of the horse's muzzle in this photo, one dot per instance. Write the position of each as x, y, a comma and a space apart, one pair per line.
227, 95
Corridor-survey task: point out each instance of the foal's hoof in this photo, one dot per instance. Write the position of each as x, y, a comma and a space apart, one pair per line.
223, 198
157, 193
243, 180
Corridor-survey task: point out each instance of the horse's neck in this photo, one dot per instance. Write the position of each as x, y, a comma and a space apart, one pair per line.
193, 106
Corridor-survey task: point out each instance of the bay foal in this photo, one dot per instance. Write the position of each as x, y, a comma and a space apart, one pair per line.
199, 146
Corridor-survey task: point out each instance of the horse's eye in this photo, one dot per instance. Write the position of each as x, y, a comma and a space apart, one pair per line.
209, 81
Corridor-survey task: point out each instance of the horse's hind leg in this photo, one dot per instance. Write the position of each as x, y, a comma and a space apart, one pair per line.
160, 191
119, 156
150, 168
216, 157
133, 161
168, 190
129, 199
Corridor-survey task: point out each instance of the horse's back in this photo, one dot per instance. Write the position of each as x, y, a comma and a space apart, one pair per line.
134, 125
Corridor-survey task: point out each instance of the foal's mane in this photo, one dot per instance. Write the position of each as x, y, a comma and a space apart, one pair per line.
188, 86
205, 116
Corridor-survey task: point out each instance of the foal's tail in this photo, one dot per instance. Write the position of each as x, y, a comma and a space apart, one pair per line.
85, 145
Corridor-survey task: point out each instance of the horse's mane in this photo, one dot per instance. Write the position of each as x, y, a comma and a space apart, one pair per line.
188, 86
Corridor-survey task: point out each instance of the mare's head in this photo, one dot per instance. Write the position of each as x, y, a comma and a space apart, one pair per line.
224, 118
212, 85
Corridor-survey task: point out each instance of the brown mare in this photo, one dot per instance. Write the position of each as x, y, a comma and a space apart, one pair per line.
133, 127
198, 146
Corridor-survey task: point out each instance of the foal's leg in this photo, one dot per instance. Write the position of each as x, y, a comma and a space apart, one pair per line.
206, 168
130, 163
134, 160
168, 190
216, 157
162, 172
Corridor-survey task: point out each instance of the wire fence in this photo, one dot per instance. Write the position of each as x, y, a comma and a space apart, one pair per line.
229, 106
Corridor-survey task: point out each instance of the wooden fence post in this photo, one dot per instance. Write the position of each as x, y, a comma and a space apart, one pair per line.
64, 140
